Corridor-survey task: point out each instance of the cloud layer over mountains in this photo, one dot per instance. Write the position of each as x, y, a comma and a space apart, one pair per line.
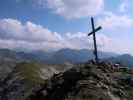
29, 36
15, 34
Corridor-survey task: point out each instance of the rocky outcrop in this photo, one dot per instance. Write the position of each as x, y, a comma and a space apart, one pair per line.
88, 81
26, 77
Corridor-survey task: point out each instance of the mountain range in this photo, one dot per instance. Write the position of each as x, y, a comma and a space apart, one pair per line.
125, 59
63, 56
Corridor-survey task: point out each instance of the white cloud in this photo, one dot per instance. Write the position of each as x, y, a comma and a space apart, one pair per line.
15, 34
105, 43
123, 7
112, 22
29, 36
14, 29
74, 8
119, 28
81, 40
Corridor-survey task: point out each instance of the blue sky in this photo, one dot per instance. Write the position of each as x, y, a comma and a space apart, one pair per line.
56, 24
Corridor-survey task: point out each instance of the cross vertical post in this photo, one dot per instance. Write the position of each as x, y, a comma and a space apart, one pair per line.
94, 39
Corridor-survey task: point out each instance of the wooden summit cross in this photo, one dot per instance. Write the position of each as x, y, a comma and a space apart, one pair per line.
94, 30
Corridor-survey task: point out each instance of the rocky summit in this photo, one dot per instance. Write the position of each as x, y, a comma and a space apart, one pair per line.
88, 81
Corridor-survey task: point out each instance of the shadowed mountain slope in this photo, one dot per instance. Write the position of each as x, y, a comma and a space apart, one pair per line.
126, 60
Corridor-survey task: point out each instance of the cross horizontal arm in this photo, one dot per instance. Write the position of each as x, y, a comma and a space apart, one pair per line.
97, 29
90, 33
